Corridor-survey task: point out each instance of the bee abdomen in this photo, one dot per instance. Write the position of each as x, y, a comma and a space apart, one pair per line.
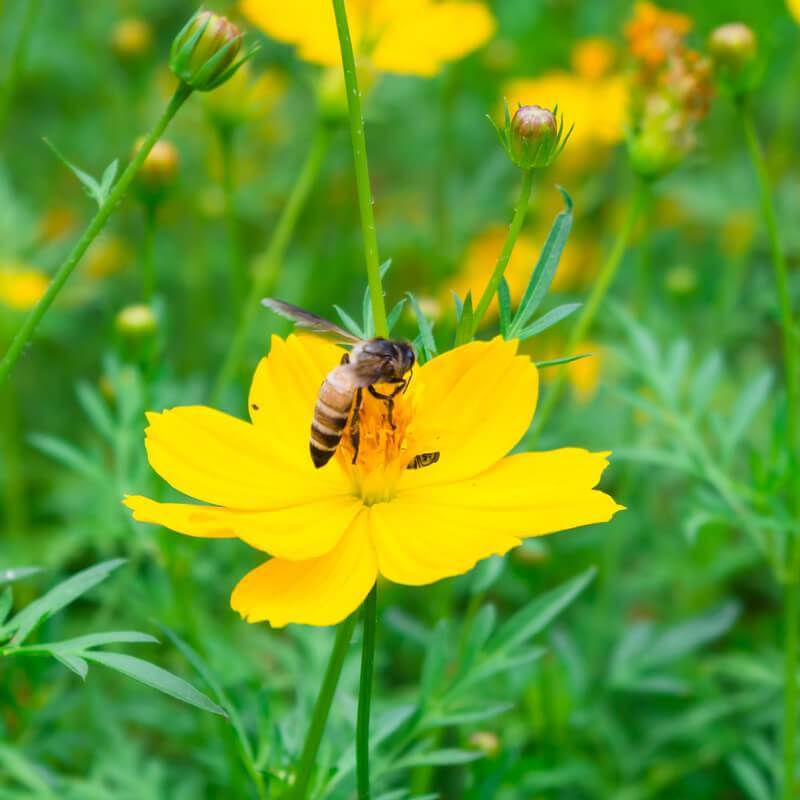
330, 419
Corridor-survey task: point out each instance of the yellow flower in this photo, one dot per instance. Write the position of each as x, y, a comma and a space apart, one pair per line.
591, 98
794, 9
245, 96
332, 531
21, 287
410, 37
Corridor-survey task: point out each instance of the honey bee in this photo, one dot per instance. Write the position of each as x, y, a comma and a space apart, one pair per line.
369, 362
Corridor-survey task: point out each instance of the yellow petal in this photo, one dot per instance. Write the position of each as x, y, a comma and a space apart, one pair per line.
321, 591
476, 403
224, 461
422, 40
296, 533
794, 8
427, 534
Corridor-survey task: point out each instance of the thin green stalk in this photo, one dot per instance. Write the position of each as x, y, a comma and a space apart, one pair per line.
268, 266
97, 224
17, 61
13, 480
365, 693
322, 708
520, 211
792, 378
238, 269
362, 171
148, 252
589, 311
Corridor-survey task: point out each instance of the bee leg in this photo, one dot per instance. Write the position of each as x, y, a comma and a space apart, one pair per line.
389, 398
355, 433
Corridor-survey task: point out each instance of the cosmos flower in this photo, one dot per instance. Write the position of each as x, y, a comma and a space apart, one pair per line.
331, 532
591, 96
409, 37
21, 287
794, 9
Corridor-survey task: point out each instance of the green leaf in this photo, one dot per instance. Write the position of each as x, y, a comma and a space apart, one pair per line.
80, 643
538, 614
751, 399
749, 777
425, 329
20, 768
107, 181
433, 668
349, 323
156, 678
59, 597
546, 267
555, 362
67, 455
504, 302
465, 322
6, 599
75, 663
93, 188
394, 314
467, 716
704, 383
438, 758
552, 317
96, 410
17, 574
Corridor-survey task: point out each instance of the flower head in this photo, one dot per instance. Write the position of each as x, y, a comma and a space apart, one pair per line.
21, 287
159, 170
794, 9
132, 38
534, 137
332, 532
734, 49
409, 37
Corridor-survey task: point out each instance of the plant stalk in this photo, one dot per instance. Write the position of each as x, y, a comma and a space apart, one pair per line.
365, 693
322, 707
362, 171
514, 229
26, 331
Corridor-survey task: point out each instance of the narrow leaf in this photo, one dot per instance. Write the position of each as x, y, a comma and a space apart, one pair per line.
552, 317
17, 574
89, 183
555, 362
349, 323
465, 322
504, 302
75, 663
425, 328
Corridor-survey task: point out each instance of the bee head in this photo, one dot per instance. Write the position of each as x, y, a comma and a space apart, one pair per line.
398, 357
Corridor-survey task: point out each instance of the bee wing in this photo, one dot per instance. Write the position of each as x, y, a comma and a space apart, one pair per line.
309, 321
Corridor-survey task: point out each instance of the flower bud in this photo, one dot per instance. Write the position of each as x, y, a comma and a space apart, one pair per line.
159, 170
131, 38
136, 321
204, 53
486, 742
734, 50
534, 137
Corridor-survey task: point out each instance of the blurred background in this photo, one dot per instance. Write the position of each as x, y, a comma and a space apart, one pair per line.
664, 678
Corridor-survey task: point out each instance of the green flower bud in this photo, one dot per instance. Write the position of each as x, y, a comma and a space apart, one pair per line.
654, 152
534, 138
204, 53
132, 39
136, 322
734, 50
486, 742
158, 172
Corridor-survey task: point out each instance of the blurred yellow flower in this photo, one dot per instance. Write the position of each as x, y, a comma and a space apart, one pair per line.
583, 375
410, 37
245, 96
21, 287
794, 9
591, 97
107, 255
332, 532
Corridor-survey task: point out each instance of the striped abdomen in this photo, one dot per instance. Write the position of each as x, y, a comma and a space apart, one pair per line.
330, 418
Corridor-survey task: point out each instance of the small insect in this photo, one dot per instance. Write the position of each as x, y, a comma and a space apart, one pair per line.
370, 362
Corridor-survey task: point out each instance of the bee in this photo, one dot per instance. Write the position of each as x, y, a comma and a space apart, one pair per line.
369, 362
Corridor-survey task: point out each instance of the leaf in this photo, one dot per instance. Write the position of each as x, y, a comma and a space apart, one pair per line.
433, 667
495, 663
467, 716
17, 574
75, 663
749, 777
93, 188
552, 317
465, 322
485, 573
704, 383
95, 409
156, 678
438, 758
107, 181
24, 771
394, 314
425, 328
535, 616
546, 267
6, 599
349, 323
59, 597
80, 643
504, 302
67, 455
555, 362
479, 632
750, 401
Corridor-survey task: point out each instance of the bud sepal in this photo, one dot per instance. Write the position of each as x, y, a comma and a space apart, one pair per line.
534, 137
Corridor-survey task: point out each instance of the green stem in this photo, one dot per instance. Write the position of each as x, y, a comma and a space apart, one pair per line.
589, 311
322, 707
14, 484
268, 266
365, 693
238, 269
148, 252
17, 62
97, 224
792, 378
520, 211
362, 171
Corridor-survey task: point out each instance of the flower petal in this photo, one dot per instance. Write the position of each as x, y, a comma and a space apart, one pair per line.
475, 403
420, 41
227, 462
321, 591
530, 494
296, 533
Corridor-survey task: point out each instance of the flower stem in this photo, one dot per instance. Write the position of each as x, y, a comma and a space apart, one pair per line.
97, 224
238, 270
148, 252
17, 62
269, 264
365, 693
322, 707
589, 311
792, 378
362, 171
520, 211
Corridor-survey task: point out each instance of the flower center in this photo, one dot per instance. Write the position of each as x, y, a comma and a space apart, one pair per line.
377, 446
